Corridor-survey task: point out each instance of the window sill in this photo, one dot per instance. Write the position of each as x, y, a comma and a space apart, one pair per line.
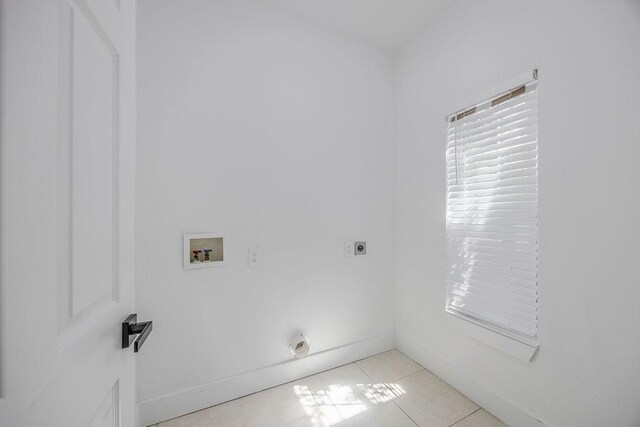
510, 346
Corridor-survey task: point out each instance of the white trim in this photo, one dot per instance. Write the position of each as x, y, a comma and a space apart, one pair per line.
497, 405
508, 345
186, 401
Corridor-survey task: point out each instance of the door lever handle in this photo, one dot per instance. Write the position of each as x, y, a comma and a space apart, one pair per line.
141, 330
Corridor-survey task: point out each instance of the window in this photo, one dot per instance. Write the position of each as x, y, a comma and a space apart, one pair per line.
492, 214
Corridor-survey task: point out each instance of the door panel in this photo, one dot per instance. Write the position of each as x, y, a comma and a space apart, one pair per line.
107, 413
67, 175
93, 118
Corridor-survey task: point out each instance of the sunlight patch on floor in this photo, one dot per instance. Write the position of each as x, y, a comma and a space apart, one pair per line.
337, 403
381, 393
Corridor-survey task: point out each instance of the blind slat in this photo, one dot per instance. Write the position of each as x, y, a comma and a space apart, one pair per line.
492, 216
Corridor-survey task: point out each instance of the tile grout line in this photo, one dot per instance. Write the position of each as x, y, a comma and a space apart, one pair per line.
425, 369
393, 401
422, 368
359, 367
404, 412
465, 417
406, 376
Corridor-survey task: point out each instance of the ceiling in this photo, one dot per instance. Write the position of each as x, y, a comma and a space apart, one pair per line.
386, 23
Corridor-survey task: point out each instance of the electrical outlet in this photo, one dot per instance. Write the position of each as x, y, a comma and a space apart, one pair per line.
349, 249
360, 248
255, 257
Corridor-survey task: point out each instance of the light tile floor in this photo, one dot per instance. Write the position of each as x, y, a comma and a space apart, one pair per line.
386, 390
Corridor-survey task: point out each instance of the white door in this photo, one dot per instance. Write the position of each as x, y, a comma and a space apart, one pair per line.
67, 170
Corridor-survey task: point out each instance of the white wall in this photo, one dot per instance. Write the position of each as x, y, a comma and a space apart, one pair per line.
586, 372
281, 135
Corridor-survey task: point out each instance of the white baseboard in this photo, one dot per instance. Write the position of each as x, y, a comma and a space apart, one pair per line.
506, 411
186, 401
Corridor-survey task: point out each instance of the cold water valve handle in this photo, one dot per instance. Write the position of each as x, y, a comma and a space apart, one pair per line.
141, 330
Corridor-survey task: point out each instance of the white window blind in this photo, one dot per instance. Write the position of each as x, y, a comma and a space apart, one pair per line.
492, 214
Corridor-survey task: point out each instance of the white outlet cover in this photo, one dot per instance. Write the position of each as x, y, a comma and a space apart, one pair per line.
349, 249
255, 257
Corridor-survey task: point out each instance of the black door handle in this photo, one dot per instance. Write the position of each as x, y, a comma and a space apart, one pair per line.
141, 330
